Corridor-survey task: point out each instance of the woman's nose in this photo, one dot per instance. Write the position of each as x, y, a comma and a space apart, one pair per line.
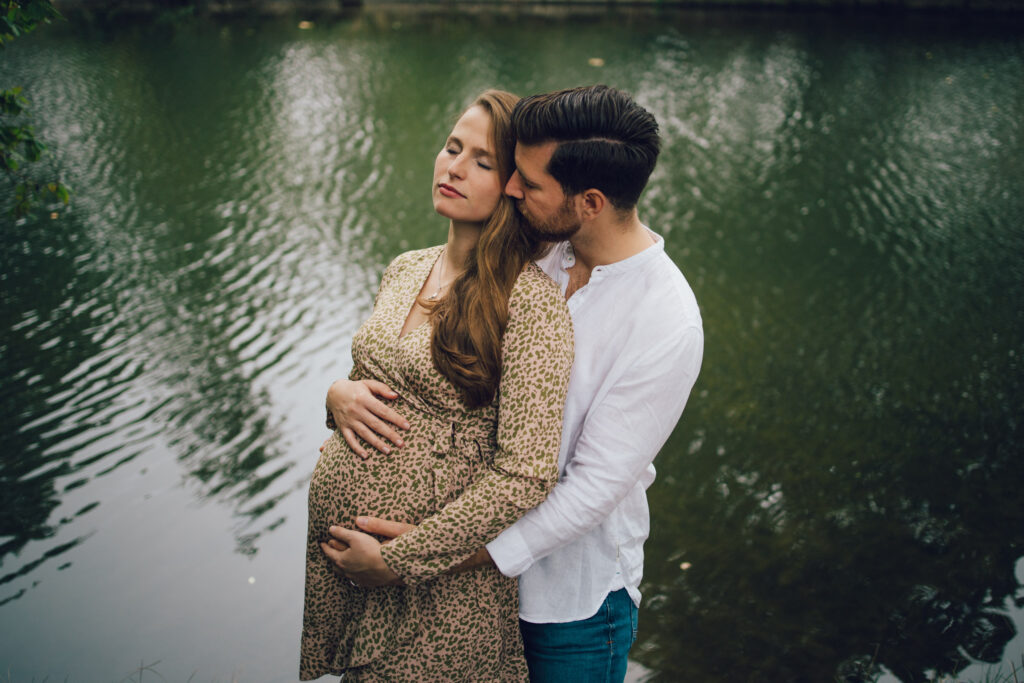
457, 167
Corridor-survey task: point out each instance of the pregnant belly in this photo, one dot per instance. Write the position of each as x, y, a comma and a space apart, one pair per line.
398, 487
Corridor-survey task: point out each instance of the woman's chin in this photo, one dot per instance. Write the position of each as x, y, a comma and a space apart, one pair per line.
443, 207
456, 216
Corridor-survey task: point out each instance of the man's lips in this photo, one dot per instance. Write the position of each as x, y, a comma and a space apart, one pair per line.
449, 191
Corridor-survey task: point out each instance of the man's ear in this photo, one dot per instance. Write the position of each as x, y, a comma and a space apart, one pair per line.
590, 203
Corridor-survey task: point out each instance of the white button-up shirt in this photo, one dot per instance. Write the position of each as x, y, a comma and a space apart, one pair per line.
639, 345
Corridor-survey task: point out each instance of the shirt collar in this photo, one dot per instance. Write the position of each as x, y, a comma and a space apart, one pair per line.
638, 260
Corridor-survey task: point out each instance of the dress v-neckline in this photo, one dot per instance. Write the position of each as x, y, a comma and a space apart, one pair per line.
402, 332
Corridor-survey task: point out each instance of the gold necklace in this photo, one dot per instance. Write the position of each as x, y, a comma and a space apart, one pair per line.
440, 277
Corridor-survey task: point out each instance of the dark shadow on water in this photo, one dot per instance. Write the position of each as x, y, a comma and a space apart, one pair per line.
899, 551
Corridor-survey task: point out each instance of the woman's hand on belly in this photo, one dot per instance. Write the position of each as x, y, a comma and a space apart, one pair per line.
358, 412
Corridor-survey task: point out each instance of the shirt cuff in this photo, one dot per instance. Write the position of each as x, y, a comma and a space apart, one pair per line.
510, 553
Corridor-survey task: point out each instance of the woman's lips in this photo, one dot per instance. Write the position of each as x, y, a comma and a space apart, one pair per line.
449, 191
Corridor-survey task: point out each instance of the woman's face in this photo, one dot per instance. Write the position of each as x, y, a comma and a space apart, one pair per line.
467, 187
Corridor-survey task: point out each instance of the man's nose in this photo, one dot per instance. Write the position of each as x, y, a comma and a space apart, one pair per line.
513, 188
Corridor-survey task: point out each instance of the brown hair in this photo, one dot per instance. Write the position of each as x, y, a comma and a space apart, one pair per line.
469, 321
605, 140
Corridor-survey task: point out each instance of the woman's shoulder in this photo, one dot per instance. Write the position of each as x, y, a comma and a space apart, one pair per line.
533, 289
538, 317
535, 282
410, 259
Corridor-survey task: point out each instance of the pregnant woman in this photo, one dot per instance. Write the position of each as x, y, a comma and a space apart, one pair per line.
477, 343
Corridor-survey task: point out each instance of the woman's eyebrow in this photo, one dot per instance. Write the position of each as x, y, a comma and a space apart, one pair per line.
477, 151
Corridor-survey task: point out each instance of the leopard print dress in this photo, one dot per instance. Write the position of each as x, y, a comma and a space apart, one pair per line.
463, 475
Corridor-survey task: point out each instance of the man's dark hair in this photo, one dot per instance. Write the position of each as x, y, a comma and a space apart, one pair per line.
605, 140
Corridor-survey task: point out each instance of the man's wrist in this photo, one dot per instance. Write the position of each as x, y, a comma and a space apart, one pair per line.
481, 558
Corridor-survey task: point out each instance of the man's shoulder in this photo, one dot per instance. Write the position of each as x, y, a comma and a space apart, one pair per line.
662, 295
675, 289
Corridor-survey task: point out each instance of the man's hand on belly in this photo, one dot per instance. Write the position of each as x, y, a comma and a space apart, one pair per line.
389, 530
357, 556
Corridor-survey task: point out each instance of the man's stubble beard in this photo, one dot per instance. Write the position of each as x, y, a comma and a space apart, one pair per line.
557, 228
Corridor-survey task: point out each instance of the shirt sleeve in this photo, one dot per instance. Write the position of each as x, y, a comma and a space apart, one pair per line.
621, 435
537, 355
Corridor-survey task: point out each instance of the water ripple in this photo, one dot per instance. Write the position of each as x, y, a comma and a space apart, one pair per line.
845, 207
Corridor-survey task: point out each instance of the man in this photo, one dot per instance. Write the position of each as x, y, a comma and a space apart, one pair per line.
583, 157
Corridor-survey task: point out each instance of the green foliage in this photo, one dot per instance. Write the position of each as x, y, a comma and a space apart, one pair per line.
18, 143
22, 16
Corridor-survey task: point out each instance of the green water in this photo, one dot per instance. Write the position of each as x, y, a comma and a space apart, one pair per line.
842, 499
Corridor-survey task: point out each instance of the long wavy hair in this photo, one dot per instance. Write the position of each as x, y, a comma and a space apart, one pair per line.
469, 321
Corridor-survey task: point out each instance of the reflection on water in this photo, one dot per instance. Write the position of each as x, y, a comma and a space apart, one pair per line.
843, 493
842, 496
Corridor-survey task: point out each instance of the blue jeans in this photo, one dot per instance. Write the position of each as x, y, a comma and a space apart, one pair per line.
591, 650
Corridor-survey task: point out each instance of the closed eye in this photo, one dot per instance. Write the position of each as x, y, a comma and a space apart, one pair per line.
526, 183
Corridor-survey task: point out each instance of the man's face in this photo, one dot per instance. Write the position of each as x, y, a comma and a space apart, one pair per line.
548, 211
